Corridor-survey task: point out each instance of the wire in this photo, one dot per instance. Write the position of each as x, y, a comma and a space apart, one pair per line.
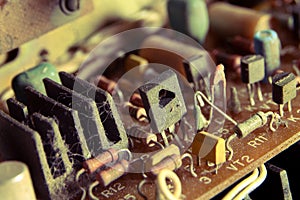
228, 146
187, 155
239, 187
163, 188
91, 187
254, 185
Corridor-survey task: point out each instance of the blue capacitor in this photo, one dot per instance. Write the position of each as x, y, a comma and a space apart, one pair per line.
267, 44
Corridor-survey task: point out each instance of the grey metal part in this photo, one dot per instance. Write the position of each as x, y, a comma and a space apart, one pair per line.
67, 119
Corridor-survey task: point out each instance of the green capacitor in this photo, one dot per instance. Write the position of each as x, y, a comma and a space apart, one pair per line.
189, 17
34, 78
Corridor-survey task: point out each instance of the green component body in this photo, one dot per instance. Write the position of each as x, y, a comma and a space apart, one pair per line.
34, 78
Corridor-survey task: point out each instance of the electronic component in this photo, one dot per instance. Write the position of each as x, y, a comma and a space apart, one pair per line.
163, 101
15, 181
253, 71
189, 17
284, 90
234, 104
267, 44
133, 61
136, 100
230, 61
242, 45
229, 20
106, 84
163, 192
17, 110
160, 155
209, 147
256, 121
147, 138
34, 78
138, 113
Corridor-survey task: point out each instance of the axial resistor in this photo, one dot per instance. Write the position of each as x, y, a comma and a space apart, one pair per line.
108, 156
136, 100
144, 136
111, 174
172, 162
138, 113
256, 121
106, 84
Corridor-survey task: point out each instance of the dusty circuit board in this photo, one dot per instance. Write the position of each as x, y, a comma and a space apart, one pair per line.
267, 144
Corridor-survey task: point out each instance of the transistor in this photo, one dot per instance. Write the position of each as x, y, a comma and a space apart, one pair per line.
284, 90
253, 71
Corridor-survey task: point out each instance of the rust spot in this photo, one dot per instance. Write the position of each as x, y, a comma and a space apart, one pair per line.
3, 3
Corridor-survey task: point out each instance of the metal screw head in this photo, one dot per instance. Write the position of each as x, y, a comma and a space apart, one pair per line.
69, 6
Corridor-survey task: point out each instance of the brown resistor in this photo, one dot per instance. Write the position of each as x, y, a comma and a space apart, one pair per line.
230, 61
108, 156
107, 176
106, 84
136, 100
172, 162
136, 112
145, 137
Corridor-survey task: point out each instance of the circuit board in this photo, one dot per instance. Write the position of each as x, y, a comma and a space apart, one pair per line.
104, 110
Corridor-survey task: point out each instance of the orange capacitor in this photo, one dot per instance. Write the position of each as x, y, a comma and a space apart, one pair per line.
107, 176
136, 100
108, 156
170, 162
144, 136
106, 84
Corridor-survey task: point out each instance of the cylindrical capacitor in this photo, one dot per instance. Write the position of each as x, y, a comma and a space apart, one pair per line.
136, 100
106, 84
267, 44
171, 162
15, 181
108, 156
228, 20
144, 136
256, 121
105, 177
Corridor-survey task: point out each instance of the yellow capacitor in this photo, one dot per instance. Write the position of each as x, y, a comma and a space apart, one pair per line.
209, 147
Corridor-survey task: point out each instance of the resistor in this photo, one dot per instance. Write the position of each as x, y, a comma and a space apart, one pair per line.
230, 61
256, 121
136, 112
145, 137
111, 174
108, 156
106, 84
136, 100
172, 162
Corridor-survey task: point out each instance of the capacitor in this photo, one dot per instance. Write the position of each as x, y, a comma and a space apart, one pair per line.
144, 136
267, 44
258, 120
108, 156
15, 181
136, 100
171, 162
227, 20
111, 174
